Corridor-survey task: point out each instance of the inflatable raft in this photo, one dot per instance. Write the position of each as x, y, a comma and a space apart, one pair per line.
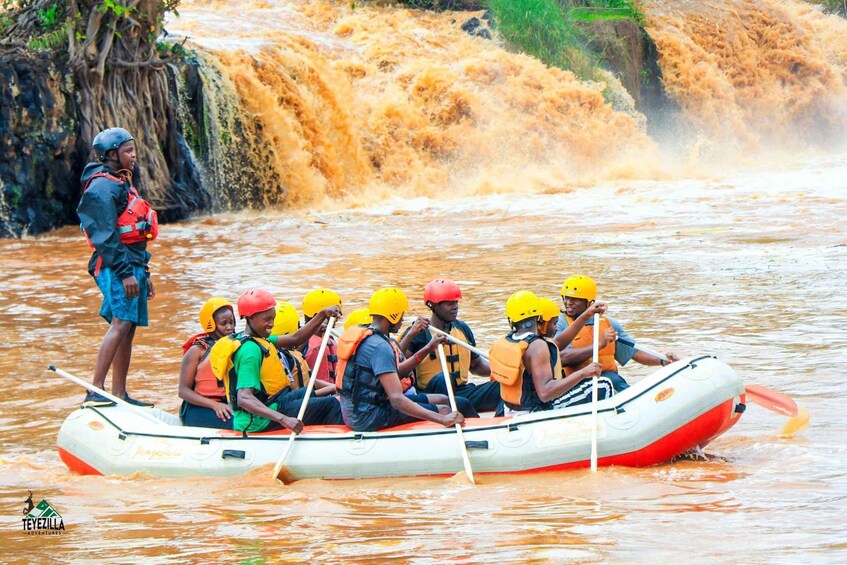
680, 406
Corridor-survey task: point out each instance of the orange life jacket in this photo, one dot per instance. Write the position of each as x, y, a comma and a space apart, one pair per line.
205, 382
347, 379
138, 222
507, 367
585, 337
329, 364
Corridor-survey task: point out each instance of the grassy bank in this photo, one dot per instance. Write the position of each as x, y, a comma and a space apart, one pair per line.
550, 30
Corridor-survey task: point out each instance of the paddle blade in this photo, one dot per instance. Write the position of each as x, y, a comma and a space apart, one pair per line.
771, 399
796, 424
283, 476
462, 478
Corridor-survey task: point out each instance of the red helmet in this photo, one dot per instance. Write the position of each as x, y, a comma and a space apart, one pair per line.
254, 301
441, 290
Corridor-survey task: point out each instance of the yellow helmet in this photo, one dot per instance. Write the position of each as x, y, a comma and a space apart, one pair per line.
358, 317
207, 312
287, 320
390, 303
318, 299
522, 305
580, 286
549, 309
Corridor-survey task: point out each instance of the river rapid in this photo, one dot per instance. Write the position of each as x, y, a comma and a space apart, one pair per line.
748, 266
398, 149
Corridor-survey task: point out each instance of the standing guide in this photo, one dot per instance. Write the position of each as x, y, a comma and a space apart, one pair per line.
117, 223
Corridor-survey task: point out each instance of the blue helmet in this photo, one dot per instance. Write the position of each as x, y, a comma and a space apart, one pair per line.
109, 139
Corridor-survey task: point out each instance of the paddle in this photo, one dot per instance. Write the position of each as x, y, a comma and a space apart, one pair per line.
642, 348
772, 400
763, 396
596, 359
448, 381
119, 401
458, 341
279, 469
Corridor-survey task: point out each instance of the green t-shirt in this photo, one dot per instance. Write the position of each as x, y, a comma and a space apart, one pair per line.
247, 362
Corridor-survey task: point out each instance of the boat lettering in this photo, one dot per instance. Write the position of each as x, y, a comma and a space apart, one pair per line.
159, 452
562, 432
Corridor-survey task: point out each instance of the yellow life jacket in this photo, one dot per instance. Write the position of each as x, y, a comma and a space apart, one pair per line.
507, 367
272, 373
458, 359
585, 337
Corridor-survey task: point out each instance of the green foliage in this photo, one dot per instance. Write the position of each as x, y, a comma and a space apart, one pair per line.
50, 17
536, 27
549, 29
589, 10
169, 49
117, 9
49, 41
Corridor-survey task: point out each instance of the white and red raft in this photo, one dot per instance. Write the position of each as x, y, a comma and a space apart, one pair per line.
679, 407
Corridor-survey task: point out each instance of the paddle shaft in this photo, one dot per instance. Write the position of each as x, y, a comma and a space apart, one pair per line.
596, 359
281, 463
642, 348
104, 394
448, 381
457, 341
484, 355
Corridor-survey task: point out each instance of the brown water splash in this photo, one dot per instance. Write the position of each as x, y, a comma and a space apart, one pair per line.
375, 101
345, 106
757, 74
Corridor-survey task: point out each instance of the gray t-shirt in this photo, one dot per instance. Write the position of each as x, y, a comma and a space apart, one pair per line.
375, 357
623, 353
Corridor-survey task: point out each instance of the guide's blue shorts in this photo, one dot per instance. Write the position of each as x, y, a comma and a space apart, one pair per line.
115, 302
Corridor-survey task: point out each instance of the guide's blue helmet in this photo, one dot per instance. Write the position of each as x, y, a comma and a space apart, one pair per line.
109, 139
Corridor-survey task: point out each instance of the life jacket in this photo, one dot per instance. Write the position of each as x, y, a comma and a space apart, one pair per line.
329, 364
205, 382
458, 358
363, 389
272, 375
299, 372
507, 367
585, 337
138, 222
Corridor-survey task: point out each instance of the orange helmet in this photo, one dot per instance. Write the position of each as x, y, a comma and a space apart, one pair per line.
254, 301
441, 290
